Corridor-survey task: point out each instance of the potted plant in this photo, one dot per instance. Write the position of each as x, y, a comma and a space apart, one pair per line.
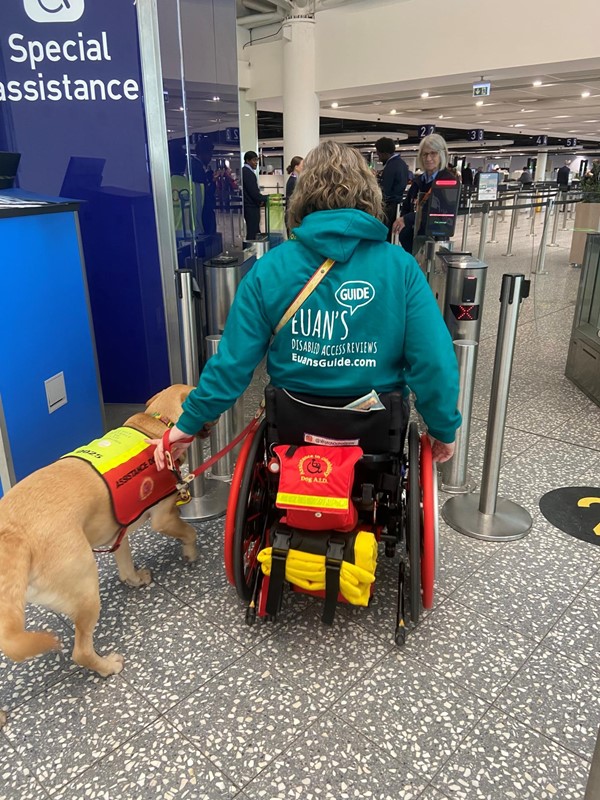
587, 215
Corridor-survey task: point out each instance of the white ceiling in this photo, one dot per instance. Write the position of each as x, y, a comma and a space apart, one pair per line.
556, 108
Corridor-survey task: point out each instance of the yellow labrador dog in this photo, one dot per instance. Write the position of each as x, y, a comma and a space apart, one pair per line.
49, 523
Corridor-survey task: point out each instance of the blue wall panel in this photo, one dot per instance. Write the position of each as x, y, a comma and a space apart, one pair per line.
94, 150
44, 330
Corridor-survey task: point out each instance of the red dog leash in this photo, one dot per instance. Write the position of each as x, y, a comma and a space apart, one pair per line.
173, 466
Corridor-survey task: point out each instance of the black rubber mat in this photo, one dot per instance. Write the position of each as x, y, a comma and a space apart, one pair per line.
575, 510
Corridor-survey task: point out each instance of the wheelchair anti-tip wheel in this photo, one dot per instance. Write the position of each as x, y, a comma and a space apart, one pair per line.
247, 514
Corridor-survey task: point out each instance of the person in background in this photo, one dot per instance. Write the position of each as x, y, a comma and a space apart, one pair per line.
525, 178
432, 158
394, 178
253, 199
335, 212
294, 169
563, 177
205, 187
467, 175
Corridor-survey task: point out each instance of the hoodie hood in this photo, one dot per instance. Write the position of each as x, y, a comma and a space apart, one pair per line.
337, 233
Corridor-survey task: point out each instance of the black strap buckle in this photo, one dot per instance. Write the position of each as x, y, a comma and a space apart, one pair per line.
280, 548
334, 558
335, 553
281, 544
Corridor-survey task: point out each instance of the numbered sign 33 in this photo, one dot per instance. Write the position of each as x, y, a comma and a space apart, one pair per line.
475, 135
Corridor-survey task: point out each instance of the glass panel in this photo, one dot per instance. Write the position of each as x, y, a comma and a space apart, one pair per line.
199, 57
590, 302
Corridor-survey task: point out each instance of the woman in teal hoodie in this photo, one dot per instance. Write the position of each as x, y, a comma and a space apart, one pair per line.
372, 322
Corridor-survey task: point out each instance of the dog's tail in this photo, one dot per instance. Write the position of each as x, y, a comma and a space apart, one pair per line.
15, 642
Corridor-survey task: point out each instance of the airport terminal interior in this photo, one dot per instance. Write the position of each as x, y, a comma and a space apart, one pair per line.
123, 203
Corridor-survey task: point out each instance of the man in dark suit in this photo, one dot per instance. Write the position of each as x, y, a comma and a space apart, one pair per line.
394, 178
563, 177
253, 199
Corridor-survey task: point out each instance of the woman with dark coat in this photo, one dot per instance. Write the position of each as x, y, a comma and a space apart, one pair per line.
294, 169
432, 158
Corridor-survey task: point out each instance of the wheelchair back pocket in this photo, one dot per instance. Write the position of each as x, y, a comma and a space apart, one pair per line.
315, 486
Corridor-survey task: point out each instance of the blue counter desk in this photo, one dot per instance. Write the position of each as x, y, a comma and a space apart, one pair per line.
45, 333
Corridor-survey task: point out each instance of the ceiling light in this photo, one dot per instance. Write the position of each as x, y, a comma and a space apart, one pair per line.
334, 105
426, 94
585, 94
520, 125
246, 115
393, 111
591, 120
562, 116
573, 131
537, 83
479, 103
527, 110
441, 116
216, 98
376, 102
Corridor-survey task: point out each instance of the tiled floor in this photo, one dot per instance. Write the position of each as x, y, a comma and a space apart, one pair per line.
495, 695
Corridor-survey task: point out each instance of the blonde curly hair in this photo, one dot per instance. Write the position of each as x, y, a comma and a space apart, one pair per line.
334, 176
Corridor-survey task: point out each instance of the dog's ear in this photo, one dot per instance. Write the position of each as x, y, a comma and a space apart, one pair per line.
153, 398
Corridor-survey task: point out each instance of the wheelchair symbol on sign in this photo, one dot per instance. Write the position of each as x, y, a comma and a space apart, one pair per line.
314, 467
54, 10
586, 502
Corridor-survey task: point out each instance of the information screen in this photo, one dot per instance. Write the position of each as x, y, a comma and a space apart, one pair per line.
488, 186
443, 207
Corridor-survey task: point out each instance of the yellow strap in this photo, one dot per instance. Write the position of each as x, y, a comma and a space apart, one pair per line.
305, 292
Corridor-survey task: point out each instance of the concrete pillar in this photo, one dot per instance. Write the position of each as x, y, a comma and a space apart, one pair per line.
300, 100
540, 167
248, 125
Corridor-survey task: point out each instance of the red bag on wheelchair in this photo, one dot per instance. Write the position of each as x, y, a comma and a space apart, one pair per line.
315, 486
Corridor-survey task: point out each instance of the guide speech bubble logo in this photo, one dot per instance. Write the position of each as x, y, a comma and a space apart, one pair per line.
54, 10
354, 294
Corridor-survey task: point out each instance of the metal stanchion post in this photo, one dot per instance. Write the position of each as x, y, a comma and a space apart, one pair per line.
532, 217
555, 223
484, 515
230, 423
565, 210
465, 233
455, 479
209, 497
592, 791
541, 257
485, 215
511, 231
493, 240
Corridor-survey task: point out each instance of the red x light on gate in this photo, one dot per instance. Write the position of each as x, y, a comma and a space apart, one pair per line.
465, 313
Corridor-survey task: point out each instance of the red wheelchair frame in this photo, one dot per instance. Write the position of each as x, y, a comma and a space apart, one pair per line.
411, 527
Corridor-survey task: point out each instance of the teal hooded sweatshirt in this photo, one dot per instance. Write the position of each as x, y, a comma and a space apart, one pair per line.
372, 323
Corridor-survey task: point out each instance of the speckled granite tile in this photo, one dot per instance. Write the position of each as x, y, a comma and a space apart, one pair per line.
314, 655
478, 654
528, 583
176, 656
548, 465
501, 758
244, 717
577, 633
20, 682
460, 556
581, 429
331, 761
432, 793
63, 732
557, 697
223, 608
126, 612
16, 778
419, 724
157, 764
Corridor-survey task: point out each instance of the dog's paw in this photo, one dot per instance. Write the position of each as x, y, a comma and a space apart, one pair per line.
111, 665
190, 552
141, 577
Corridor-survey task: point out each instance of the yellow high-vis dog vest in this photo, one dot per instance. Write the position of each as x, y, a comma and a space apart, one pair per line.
125, 462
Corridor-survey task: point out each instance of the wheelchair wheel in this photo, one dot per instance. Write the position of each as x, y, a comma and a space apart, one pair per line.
246, 514
414, 523
428, 549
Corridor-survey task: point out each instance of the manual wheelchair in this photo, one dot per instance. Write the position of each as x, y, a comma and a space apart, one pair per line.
393, 504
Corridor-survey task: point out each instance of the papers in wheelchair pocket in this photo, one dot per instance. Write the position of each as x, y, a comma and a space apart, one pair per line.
368, 402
